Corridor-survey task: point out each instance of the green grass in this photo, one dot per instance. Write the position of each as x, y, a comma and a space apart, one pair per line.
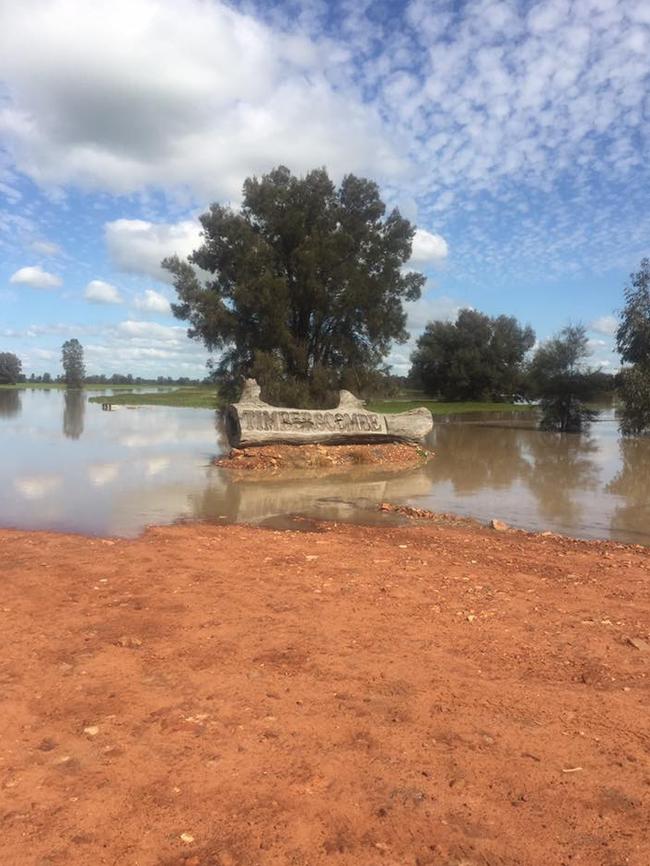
390, 406
186, 396
205, 397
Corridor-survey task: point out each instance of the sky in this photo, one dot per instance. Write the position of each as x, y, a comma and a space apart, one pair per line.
514, 135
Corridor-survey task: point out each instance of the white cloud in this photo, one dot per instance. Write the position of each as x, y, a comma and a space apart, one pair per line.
606, 325
430, 309
101, 474
37, 486
36, 277
156, 465
152, 302
46, 248
139, 246
174, 93
151, 330
99, 292
428, 248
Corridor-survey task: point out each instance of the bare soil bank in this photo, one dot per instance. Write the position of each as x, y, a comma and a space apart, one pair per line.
271, 459
224, 696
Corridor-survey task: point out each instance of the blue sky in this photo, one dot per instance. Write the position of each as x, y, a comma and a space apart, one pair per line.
516, 135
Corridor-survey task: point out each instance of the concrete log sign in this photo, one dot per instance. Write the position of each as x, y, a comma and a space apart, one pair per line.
254, 422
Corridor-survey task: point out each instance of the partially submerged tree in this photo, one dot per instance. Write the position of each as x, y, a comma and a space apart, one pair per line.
474, 358
72, 359
633, 344
10, 368
559, 376
305, 283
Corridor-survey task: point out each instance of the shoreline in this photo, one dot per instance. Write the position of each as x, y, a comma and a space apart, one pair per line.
404, 516
226, 695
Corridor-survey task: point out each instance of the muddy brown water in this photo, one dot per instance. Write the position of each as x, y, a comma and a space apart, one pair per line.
66, 465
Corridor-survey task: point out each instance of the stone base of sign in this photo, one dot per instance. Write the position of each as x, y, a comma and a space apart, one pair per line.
251, 421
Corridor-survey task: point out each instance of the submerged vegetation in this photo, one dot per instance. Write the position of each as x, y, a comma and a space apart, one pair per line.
559, 378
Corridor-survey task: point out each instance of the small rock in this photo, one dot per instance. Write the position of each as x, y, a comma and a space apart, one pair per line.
91, 730
498, 525
187, 838
129, 641
638, 643
68, 764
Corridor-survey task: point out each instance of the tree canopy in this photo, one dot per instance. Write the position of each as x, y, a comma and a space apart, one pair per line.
633, 333
633, 344
10, 368
72, 359
302, 287
560, 378
474, 358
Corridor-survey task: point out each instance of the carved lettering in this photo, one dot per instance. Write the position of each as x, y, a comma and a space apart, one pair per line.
271, 420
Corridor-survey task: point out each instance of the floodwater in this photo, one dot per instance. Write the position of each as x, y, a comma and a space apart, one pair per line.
67, 465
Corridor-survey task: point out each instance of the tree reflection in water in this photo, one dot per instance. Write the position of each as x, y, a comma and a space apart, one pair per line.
10, 403
562, 466
475, 457
632, 483
74, 407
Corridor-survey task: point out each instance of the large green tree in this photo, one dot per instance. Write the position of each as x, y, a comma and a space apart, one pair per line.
560, 377
10, 368
633, 344
474, 358
72, 359
302, 287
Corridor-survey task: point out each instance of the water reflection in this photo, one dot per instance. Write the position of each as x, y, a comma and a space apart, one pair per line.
10, 403
337, 497
562, 465
74, 408
632, 484
471, 462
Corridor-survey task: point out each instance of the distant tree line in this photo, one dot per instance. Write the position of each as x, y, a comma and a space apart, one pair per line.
74, 373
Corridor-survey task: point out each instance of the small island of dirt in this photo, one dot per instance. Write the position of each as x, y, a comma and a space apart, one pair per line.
281, 458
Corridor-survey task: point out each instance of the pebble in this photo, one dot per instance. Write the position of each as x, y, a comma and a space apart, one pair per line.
91, 730
187, 838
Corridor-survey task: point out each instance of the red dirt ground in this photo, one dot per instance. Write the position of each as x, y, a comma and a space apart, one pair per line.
401, 696
394, 456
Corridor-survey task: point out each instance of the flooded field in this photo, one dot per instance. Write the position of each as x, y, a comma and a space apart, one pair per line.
67, 465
